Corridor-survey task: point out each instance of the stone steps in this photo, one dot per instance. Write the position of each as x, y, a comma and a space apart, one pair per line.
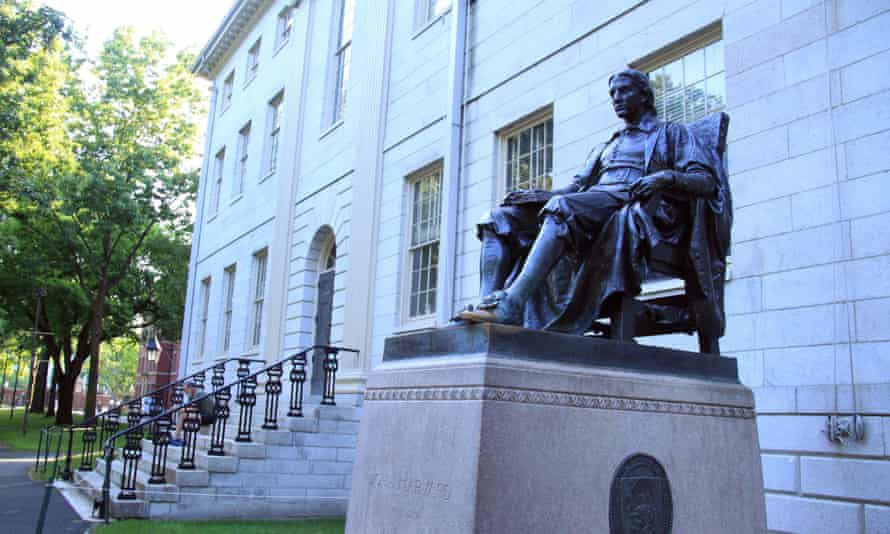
304, 468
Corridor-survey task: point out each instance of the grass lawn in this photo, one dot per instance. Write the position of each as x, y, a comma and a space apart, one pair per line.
308, 526
11, 429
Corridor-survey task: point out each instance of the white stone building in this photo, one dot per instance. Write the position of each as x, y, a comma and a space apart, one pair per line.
352, 146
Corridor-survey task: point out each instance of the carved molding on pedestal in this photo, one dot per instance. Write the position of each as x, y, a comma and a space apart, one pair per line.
555, 398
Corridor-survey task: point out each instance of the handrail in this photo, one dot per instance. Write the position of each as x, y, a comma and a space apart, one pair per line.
108, 421
165, 387
160, 424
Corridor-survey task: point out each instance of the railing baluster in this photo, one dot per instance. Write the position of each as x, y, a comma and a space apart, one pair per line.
221, 411
219, 376
89, 441
273, 391
330, 377
160, 441
297, 381
132, 453
66, 474
247, 401
191, 424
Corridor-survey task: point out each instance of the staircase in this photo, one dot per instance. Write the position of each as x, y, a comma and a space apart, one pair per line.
303, 469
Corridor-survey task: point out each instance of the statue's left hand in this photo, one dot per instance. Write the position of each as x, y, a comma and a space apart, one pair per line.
645, 186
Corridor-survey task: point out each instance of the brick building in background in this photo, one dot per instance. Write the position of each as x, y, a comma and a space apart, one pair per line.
352, 146
158, 365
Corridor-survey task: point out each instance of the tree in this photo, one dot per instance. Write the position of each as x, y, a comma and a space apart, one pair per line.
120, 357
103, 226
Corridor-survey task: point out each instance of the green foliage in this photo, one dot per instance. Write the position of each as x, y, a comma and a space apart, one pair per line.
120, 358
95, 189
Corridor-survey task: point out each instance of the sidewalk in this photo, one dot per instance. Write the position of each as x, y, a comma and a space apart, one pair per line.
21, 499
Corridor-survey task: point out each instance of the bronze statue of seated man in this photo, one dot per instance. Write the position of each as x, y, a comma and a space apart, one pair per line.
597, 222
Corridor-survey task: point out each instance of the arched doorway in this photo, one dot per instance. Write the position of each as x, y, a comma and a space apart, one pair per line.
324, 307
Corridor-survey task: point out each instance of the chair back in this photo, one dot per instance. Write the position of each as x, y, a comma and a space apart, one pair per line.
711, 131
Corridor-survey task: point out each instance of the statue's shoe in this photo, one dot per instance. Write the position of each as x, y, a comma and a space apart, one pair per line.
501, 312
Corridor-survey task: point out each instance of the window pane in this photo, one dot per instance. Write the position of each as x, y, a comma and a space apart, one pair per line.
694, 67
714, 58
696, 102
716, 86
347, 21
690, 93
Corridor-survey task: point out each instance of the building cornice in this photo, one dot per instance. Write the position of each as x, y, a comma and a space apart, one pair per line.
227, 35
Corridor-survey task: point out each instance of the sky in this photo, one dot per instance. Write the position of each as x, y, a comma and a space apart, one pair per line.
184, 22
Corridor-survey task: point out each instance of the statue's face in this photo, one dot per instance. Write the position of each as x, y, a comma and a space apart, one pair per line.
628, 101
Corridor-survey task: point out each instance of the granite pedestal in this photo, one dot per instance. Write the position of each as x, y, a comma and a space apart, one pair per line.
495, 429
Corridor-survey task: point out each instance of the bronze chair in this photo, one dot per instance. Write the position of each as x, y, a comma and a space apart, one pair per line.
631, 317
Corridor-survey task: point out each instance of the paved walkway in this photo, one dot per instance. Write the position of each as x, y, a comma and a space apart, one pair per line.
21, 498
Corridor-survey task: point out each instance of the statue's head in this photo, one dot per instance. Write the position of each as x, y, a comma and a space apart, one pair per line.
631, 93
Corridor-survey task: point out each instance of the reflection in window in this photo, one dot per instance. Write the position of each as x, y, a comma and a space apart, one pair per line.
529, 158
691, 86
423, 251
343, 58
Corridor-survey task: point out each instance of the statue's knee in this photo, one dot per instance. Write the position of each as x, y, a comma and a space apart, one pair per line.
554, 203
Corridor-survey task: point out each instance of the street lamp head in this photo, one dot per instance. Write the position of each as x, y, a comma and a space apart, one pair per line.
152, 349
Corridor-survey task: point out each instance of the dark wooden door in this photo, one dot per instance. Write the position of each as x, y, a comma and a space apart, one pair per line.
322, 328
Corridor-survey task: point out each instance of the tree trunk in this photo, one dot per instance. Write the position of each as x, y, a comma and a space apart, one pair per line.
89, 409
38, 397
64, 414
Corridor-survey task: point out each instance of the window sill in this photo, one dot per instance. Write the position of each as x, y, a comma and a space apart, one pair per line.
266, 176
225, 108
212, 217
429, 24
248, 81
330, 129
236, 198
419, 324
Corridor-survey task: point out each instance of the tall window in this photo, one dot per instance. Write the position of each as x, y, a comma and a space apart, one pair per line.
253, 61
228, 90
216, 187
343, 57
276, 109
285, 26
205, 308
260, 259
241, 172
691, 83
423, 250
229, 284
529, 156
433, 8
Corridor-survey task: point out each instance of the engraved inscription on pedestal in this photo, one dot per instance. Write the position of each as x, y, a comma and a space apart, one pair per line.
640, 501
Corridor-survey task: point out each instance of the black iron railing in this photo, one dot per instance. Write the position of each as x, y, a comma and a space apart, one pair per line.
94, 431
159, 427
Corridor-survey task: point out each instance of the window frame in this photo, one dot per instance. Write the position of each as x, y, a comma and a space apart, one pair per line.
219, 166
204, 315
274, 120
427, 319
243, 158
529, 122
284, 27
228, 91
229, 274
425, 13
686, 46
259, 279
341, 62
253, 61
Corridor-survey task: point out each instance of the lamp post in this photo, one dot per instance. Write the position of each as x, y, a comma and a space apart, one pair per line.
39, 293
